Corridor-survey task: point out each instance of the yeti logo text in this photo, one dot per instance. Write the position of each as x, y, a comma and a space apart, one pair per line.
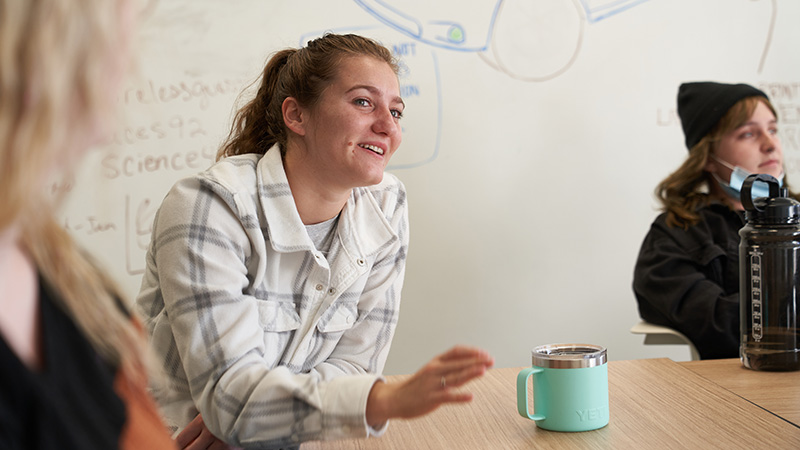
590, 414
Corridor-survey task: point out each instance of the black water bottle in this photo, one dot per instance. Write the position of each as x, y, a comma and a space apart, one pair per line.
769, 278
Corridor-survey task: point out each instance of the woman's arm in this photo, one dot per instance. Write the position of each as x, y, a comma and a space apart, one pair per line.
681, 286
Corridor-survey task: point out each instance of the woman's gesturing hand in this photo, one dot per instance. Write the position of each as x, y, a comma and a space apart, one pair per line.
432, 386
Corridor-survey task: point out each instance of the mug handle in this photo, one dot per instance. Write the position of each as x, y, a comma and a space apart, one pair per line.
522, 393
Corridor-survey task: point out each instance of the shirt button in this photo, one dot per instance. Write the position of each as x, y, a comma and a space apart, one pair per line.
349, 319
360, 262
331, 291
320, 287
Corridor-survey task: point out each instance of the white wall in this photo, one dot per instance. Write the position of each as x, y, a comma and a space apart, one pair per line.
531, 145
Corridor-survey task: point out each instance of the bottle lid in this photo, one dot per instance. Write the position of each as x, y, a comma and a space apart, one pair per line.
777, 209
568, 356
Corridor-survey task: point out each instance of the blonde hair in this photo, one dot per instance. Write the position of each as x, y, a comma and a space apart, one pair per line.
56, 61
684, 191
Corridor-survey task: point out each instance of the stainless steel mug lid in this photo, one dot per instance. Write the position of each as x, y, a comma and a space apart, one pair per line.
568, 356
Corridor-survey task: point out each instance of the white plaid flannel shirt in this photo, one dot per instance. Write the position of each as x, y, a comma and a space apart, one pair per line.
253, 325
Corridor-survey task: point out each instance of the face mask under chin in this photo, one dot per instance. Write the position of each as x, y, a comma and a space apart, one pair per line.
733, 188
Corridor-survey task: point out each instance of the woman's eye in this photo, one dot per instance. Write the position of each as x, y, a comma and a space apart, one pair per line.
773, 131
361, 102
397, 114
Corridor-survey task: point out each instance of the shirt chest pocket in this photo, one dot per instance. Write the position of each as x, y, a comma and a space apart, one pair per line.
277, 317
339, 317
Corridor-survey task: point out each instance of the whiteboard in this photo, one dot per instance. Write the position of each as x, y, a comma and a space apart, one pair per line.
534, 135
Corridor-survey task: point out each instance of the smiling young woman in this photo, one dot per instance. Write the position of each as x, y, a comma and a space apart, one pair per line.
687, 273
274, 278
346, 140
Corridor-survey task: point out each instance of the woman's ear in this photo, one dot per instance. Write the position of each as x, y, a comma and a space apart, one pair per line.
294, 116
711, 165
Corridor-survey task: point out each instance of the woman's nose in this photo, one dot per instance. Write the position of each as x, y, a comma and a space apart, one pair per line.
385, 123
769, 142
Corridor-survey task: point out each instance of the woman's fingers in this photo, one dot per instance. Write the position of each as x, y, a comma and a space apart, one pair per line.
461, 352
197, 437
190, 433
460, 365
219, 445
461, 375
459, 397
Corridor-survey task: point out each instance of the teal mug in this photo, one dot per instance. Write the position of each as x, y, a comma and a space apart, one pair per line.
570, 387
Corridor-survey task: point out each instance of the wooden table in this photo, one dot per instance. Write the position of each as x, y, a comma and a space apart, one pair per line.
777, 392
654, 403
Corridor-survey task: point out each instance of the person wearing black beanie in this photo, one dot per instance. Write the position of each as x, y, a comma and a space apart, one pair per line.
687, 273
702, 104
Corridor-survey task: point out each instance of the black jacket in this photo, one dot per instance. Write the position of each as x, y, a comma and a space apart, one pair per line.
689, 280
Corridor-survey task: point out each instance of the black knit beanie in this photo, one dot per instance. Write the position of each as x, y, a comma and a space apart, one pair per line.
702, 104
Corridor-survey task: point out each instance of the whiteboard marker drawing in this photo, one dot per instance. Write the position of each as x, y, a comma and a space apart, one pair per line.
554, 30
